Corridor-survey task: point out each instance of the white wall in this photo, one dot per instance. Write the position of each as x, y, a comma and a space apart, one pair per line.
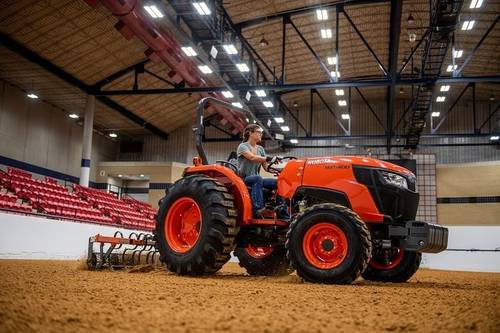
32, 237
28, 237
467, 238
35, 132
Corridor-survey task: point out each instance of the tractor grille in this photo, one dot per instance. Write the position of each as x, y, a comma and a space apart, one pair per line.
398, 203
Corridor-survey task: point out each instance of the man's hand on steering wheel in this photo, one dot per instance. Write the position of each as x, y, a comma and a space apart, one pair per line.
273, 159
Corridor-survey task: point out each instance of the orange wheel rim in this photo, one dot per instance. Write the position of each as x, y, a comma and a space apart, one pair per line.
259, 252
325, 245
390, 262
183, 224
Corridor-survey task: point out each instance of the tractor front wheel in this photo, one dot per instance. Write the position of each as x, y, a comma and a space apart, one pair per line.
264, 260
392, 265
328, 243
196, 226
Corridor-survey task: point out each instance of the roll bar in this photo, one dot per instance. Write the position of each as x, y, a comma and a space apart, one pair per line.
199, 128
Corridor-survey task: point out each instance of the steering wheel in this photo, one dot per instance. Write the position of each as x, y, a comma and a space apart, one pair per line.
230, 165
277, 171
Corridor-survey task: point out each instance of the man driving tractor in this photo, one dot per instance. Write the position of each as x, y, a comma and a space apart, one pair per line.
251, 157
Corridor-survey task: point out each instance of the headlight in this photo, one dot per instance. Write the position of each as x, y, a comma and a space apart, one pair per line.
394, 179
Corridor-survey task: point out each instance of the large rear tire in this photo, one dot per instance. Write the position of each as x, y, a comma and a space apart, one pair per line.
392, 265
196, 226
263, 261
328, 243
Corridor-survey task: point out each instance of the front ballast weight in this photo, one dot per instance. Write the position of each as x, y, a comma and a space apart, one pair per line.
420, 236
119, 252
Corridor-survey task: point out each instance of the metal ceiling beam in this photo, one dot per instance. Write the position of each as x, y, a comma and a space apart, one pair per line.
395, 28
469, 58
488, 119
119, 74
410, 57
303, 10
369, 107
315, 55
73, 81
434, 130
331, 111
380, 64
303, 86
373, 137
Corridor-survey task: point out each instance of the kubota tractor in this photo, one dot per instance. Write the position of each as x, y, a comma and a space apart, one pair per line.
350, 216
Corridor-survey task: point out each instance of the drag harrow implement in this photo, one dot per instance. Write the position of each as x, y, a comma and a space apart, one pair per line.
119, 252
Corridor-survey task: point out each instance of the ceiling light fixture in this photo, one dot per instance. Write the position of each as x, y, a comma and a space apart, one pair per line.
412, 37
440, 99
494, 137
189, 51
205, 69
342, 102
294, 141
458, 53
326, 33
332, 60
263, 42
474, 4
322, 14
237, 104
227, 94
285, 128
268, 104
468, 25
435, 114
339, 92
113, 135
335, 74
260, 93
279, 120
230, 49
411, 19
73, 116
243, 67
444, 88
346, 116
202, 8
32, 95
451, 68
153, 11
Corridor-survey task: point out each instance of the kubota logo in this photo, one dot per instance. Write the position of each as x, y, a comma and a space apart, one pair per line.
321, 161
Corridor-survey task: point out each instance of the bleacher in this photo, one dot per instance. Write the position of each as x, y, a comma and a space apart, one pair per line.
20, 192
120, 211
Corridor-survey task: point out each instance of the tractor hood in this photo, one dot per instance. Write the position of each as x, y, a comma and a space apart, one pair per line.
358, 160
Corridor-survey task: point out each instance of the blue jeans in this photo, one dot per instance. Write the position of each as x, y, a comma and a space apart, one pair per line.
257, 183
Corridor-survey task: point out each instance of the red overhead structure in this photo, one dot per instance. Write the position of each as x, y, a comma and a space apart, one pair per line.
163, 47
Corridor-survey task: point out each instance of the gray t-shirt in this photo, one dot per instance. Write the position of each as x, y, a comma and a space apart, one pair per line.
246, 167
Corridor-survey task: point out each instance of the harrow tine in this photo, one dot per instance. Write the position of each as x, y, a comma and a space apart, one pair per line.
133, 247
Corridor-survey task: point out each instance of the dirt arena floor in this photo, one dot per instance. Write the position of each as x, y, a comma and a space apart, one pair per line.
58, 296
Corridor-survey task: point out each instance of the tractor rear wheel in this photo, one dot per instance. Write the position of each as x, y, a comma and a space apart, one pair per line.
328, 243
263, 260
392, 265
196, 226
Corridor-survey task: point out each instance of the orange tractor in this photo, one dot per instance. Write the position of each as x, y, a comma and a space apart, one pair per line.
350, 216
